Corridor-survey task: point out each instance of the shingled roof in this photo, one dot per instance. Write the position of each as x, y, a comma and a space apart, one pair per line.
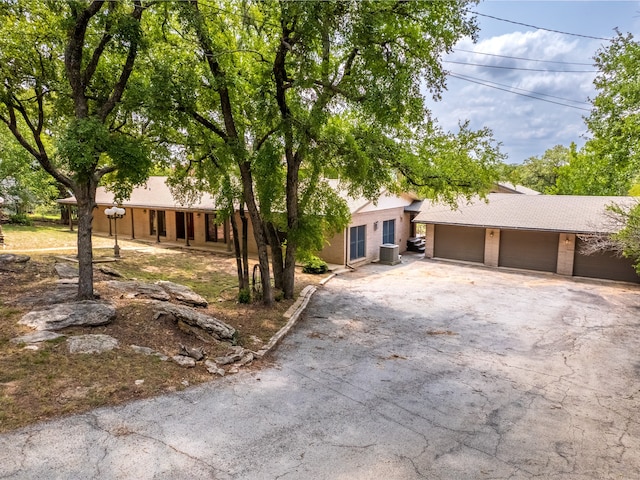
155, 194
556, 213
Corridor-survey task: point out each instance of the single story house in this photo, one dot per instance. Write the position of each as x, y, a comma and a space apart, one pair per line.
152, 213
533, 232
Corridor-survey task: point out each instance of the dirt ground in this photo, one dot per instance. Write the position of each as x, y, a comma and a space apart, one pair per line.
44, 381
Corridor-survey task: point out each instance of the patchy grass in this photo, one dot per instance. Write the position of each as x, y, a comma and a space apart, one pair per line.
41, 384
50, 237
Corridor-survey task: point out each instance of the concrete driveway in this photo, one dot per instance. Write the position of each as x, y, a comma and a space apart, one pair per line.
421, 370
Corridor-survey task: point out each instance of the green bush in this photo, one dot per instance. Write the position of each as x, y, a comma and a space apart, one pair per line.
20, 219
244, 296
315, 265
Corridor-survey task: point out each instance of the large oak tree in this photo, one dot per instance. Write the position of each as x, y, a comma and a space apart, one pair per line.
290, 93
65, 68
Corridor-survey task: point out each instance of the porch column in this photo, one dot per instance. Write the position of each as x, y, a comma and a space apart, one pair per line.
429, 240
491, 247
566, 251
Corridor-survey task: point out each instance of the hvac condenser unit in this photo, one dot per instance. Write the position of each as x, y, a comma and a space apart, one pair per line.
389, 254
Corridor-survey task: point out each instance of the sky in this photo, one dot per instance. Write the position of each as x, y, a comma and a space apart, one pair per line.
527, 127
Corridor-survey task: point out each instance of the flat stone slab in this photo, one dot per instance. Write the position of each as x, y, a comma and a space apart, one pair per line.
93, 343
64, 270
12, 261
179, 313
149, 351
62, 294
85, 313
134, 289
37, 337
183, 294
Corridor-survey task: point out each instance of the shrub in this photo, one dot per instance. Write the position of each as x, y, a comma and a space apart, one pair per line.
20, 219
244, 296
315, 265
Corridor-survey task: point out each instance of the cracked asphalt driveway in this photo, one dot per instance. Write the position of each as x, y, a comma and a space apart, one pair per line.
421, 370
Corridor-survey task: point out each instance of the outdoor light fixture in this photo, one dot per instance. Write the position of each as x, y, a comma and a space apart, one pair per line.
1, 234
115, 213
491, 233
566, 241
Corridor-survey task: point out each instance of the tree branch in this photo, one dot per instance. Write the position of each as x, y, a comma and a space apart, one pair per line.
127, 69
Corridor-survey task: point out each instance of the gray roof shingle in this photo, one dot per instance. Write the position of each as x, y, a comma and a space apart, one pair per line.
561, 213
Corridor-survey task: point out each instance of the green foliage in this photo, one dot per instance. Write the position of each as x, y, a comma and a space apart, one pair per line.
609, 163
628, 237
20, 219
541, 173
244, 296
315, 265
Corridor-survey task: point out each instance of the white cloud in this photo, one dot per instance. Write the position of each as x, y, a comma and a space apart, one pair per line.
525, 126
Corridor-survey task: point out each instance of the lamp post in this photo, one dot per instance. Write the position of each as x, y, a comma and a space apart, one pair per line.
115, 213
1, 234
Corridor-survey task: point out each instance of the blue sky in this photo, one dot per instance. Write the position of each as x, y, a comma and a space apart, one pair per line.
527, 127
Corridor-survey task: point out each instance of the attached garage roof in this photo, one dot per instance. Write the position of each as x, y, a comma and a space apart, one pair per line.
558, 213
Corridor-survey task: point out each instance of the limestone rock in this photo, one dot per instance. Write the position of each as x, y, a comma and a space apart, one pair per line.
196, 353
133, 289
149, 351
183, 294
84, 313
37, 337
109, 271
183, 361
213, 369
62, 294
13, 262
91, 343
64, 270
211, 325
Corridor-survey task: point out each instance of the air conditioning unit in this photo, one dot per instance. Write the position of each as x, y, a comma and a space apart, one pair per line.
389, 254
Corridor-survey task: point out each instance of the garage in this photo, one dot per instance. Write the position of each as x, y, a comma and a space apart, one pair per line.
459, 243
603, 265
529, 250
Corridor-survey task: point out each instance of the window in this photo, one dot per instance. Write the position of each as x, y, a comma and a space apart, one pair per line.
357, 242
389, 231
162, 224
215, 229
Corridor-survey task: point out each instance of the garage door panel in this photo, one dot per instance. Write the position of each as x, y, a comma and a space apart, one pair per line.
603, 265
459, 243
529, 250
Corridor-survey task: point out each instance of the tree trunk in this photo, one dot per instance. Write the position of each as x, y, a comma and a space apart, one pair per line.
245, 246
85, 196
277, 261
292, 244
258, 231
243, 281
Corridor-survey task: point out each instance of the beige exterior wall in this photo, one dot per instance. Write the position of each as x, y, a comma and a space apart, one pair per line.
492, 247
429, 240
372, 220
136, 224
336, 249
566, 253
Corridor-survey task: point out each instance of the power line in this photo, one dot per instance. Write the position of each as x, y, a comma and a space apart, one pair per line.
516, 93
522, 58
540, 28
519, 68
465, 77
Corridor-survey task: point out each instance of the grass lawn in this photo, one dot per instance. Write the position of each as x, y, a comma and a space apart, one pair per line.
42, 383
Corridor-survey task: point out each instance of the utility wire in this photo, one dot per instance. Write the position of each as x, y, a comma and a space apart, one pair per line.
465, 77
519, 68
521, 94
540, 28
522, 58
